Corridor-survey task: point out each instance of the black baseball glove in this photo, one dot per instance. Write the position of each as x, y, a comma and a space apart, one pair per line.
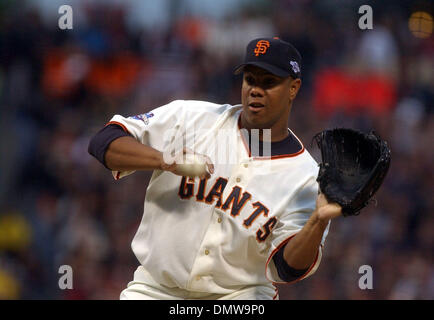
354, 165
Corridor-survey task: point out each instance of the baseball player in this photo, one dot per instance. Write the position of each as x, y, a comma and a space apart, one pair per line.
252, 218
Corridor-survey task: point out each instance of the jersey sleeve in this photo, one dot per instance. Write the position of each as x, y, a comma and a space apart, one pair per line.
301, 207
157, 128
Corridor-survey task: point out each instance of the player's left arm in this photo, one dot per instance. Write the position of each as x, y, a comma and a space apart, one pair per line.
301, 251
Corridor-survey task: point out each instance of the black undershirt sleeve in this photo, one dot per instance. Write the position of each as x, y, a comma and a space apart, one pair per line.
101, 140
286, 272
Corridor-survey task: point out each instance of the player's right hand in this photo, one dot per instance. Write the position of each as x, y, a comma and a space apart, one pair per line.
179, 164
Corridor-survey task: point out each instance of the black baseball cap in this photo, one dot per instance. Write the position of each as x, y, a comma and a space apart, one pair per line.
274, 55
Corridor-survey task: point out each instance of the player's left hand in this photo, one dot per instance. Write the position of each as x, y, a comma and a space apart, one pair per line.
325, 210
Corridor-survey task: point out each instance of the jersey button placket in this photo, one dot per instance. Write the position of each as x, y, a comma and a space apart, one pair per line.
202, 268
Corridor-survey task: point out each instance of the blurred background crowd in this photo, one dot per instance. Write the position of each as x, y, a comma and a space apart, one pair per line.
59, 206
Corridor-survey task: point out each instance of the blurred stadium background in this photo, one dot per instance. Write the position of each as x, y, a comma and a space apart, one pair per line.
59, 206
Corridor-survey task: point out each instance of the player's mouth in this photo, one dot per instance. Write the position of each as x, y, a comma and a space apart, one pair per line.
256, 106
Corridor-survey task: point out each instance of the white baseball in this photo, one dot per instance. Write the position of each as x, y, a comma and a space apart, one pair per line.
192, 165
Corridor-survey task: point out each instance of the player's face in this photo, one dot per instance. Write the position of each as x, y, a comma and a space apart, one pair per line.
267, 100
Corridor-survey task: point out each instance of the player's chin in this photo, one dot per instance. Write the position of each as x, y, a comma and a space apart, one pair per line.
255, 115
256, 118
257, 122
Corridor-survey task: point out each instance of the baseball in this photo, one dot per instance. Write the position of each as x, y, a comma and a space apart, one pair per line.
192, 166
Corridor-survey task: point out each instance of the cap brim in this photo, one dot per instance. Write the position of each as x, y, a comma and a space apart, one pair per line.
263, 65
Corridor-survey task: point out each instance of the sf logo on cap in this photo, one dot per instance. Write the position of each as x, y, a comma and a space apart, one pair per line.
261, 47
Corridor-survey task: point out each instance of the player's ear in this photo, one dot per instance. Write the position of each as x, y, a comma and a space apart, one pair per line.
294, 86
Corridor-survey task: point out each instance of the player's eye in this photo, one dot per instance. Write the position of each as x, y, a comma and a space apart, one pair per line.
250, 80
269, 82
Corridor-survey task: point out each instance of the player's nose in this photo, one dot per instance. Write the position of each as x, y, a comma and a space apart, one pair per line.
256, 92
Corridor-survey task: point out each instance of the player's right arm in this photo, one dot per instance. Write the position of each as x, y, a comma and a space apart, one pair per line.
127, 154
126, 145
119, 151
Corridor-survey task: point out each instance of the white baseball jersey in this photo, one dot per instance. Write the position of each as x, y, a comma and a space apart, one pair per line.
218, 235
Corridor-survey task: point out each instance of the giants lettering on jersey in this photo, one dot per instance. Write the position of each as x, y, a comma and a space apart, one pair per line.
236, 200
